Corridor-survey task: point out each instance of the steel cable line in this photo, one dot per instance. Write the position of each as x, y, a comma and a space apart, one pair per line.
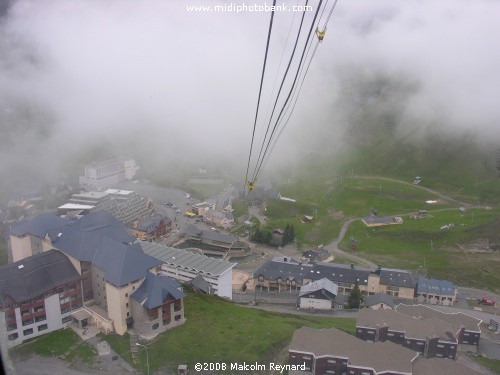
282, 83
259, 162
296, 93
260, 89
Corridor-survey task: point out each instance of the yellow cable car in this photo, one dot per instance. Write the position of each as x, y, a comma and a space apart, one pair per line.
320, 34
250, 185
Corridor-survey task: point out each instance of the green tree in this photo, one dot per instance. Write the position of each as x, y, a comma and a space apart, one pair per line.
292, 233
355, 297
267, 236
257, 235
286, 235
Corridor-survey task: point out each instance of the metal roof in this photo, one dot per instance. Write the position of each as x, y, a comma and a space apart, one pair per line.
396, 277
185, 259
211, 235
34, 275
434, 286
377, 298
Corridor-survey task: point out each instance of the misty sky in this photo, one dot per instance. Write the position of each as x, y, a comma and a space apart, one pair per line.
149, 76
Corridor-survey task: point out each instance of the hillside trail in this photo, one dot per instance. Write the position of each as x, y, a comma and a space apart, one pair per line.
333, 247
441, 195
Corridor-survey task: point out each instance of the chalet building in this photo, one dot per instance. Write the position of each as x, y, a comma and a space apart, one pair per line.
219, 219
468, 329
184, 266
110, 265
429, 337
379, 301
393, 282
203, 208
101, 174
152, 228
39, 294
157, 305
331, 351
213, 240
317, 254
282, 274
318, 295
436, 292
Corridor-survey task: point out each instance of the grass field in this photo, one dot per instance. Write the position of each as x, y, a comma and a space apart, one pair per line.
219, 331
332, 202
63, 343
409, 246
492, 364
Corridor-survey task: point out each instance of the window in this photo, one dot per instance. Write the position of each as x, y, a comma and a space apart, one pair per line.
128, 314
12, 327
43, 327
27, 332
440, 346
155, 326
13, 336
421, 343
126, 304
28, 322
40, 318
126, 295
66, 319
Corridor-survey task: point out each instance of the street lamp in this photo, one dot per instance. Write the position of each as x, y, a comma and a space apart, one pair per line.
147, 356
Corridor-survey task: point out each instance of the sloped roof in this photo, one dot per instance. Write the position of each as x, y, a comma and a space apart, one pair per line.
434, 286
150, 223
155, 289
377, 298
456, 319
438, 366
38, 226
185, 259
121, 263
211, 235
323, 283
201, 284
417, 328
380, 356
396, 277
34, 275
81, 239
335, 272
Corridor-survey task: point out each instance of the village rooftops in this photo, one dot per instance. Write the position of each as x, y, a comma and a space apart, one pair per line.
185, 259
314, 286
434, 286
156, 289
35, 275
380, 356
151, 223
416, 328
458, 320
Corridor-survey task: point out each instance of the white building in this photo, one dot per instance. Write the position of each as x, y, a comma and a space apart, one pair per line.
318, 295
102, 174
184, 266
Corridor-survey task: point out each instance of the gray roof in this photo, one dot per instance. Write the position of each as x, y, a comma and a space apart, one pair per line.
199, 283
39, 226
274, 269
416, 328
439, 366
323, 283
380, 356
155, 290
377, 298
151, 223
185, 259
434, 286
396, 277
379, 220
35, 275
210, 235
456, 319
103, 240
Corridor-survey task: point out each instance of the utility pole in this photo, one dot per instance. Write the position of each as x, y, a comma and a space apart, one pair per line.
432, 248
